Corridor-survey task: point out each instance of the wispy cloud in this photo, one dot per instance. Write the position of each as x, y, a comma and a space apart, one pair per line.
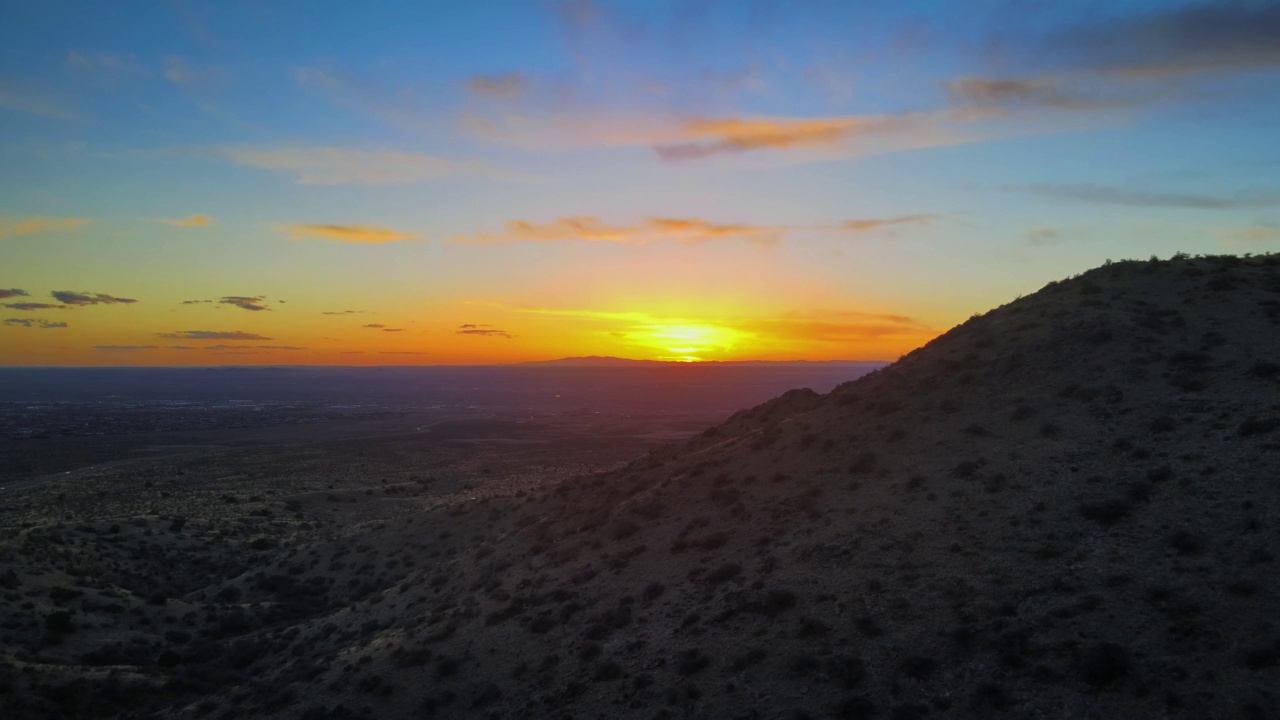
28, 97
33, 306
183, 347
684, 230
35, 323
245, 303
343, 312
68, 297
504, 85
1109, 195
123, 348
1250, 237
212, 335
483, 330
373, 326
14, 225
346, 233
11, 292
191, 221
281, 347
317, 165
105, 63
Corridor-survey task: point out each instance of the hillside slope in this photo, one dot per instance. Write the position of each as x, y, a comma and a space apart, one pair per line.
1066, 507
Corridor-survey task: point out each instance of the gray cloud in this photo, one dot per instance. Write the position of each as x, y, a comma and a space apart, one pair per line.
195, 302
374, 326
77, 298
11, 292
115, 348
486, 330
34, 323
33, 306
212, 335
182, 347
1106, 195
343, 312
245, 303
281, 347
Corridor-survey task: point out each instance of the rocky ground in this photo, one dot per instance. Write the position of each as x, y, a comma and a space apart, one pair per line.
1065, 507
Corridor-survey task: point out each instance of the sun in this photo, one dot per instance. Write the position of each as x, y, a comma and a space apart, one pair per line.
687, 342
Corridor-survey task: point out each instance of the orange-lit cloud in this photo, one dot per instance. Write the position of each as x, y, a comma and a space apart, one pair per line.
188, 222
346, 233
11, 292
33, 306
483, 330
12, 225
589, 228
34, 323
245, 303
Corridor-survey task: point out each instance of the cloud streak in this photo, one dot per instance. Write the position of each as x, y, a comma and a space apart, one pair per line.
245, 303
13, 226
68, 297
192, 221
11, 292
1107, 195
212, 335
33, 306
367, 234
123, 348
34, 323
320, 165
588, 228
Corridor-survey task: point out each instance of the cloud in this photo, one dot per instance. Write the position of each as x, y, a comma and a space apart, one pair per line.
245, 303
346, 233
281, 347
123, 348
314, 165
33, 306
1247, 237
228, 347
195, 302
505, 85
183, 347
12, 292
78, 298
212, 335
1043, 235
105, 63
188, 222
393, 330
343, 312
876, 223
684, 230
391, 352
1063, 93
375, 326
30, 322
14, 225
1107, 195
484, 330
34, 99
1207, 37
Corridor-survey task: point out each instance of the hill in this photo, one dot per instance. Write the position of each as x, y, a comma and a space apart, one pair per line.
1065, 507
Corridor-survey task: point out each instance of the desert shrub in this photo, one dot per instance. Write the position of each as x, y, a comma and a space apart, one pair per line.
863, 464
968, 468
1049, 430
1162, 424
846, 670
653, 591
1106, 512
1186, 543
59, 622
607, 670
855, 707
918, 667
692, 661
714, 541
724, 573
1105, 664
1265, 370
1254, 426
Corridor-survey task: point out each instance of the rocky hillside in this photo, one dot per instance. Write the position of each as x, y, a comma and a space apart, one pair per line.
1066, 507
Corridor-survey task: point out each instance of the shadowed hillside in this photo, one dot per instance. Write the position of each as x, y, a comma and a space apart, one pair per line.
1066, 507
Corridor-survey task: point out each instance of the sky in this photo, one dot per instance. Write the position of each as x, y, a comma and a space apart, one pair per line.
403, 183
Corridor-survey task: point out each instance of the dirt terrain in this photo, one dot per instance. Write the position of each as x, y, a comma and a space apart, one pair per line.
1065, 507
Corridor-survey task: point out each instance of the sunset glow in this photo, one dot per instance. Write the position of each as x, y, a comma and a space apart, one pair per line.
207, 183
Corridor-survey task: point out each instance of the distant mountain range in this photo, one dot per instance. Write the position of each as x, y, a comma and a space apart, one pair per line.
599, 361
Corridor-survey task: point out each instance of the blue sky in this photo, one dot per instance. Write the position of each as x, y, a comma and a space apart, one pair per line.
504, 181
